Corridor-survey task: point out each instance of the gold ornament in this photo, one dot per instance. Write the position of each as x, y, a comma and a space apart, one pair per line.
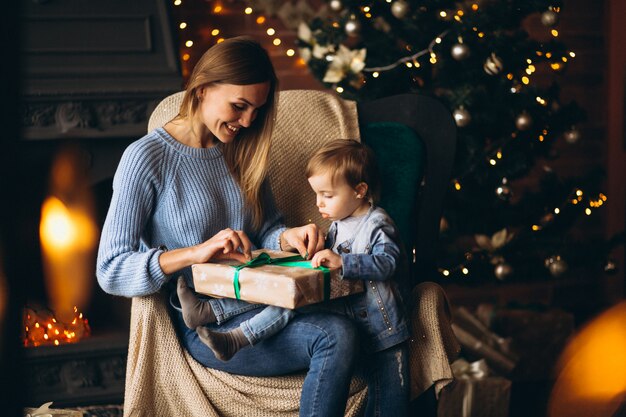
572, 136
549, 18
524, 121
493, 65
503, 270
400, 9
443, 225
556, 265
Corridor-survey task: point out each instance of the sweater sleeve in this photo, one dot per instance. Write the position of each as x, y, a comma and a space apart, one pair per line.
123, 266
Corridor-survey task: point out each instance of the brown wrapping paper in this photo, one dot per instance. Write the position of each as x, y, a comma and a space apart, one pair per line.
486, 397
281, 286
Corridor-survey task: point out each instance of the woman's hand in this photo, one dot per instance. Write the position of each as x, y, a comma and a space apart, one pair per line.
226, 244
327, 258
307, 240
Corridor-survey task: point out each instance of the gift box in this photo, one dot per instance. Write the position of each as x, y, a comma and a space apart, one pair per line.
538, 333
478, 341
474, 393
272, 277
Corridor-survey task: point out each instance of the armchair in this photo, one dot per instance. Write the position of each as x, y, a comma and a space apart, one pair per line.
305, 119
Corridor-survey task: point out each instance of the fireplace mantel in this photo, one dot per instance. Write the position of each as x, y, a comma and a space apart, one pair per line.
95, 69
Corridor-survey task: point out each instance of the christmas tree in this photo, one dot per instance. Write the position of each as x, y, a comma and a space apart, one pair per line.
508, 215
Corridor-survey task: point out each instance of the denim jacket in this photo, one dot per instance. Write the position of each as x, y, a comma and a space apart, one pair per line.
375, 255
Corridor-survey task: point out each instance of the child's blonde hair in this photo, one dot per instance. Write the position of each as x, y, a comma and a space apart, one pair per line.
350, 160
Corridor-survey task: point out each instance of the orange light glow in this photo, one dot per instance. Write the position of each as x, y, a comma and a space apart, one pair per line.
592, 367
69, 235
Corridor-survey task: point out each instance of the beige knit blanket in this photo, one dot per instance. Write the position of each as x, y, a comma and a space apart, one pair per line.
162, 379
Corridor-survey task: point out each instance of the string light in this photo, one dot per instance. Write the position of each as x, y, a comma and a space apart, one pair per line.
411, 58
42, 328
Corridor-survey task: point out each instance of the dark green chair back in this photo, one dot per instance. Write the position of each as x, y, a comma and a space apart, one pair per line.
414, 138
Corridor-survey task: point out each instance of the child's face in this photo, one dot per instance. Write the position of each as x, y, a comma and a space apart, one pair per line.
338, 200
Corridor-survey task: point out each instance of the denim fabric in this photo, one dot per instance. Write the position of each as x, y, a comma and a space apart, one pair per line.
266, 323
388, 382
325, 344
376, 256
223, 308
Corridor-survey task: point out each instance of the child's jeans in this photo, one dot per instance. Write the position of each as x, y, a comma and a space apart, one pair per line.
388, 382
267, 322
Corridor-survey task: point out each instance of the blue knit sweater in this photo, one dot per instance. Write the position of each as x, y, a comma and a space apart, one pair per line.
166, 193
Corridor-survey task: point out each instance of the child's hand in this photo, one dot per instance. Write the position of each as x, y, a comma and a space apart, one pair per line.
327, 258
306, 240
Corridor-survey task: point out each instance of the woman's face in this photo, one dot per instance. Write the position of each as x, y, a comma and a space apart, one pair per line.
225, 109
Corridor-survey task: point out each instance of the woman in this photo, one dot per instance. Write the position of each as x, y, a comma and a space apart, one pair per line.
196, 190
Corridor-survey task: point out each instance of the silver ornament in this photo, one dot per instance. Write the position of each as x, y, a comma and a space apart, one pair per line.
336, 5
572, 136
556, 265
503, 270
460, 51
353, 27
493, 65
549, 18
462, 117
524, 121
399, 9
504, 191
610, 267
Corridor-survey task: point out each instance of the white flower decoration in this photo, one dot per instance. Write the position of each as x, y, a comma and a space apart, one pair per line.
318, 51
345, 61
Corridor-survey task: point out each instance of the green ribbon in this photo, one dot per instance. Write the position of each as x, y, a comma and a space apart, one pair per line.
296, 260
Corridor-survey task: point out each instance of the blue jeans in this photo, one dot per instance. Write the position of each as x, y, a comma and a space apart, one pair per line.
325, 344
388, 382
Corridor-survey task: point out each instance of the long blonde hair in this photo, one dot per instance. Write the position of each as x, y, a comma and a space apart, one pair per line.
239, 61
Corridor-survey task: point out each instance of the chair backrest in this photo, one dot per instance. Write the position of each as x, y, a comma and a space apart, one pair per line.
432, 123
413, 137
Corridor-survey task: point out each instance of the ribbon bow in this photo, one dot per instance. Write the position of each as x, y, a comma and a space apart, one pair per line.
265, 259
469, 372
463, 369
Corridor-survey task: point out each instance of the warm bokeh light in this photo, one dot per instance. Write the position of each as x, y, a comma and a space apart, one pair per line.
590, 379
69, 236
